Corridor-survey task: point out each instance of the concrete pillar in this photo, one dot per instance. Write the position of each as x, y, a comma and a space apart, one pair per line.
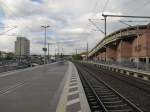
111, 54
147, 60
147, 63
124, 51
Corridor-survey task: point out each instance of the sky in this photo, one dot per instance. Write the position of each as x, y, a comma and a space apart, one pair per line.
68, 20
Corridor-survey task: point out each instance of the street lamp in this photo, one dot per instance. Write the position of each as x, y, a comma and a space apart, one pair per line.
45, 49
49, 50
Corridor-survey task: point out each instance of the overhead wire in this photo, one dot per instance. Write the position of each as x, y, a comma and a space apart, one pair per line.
102, 11
14, 14
125, 4
141, 7
106, 3
2, 33
93, 14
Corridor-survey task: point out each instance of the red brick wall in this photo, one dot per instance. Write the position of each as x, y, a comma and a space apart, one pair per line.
101, 56
141, 46
148, 43
127, 50
124, 49
111, 53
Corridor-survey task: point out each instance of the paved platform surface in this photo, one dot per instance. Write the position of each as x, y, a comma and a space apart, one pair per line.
73, 98
32, 90
40, 89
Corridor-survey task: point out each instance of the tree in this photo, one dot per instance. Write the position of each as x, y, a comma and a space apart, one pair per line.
10, 56
77, 57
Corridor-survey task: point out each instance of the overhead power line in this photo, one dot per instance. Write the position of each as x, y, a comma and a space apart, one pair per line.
2, 33
106, 3
16, 16
125, 23
146, 3
86, 26
96, 26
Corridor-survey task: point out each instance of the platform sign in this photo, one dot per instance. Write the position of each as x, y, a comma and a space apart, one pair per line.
44, 49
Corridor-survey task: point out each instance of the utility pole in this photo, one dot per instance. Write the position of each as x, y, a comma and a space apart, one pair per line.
105, 25
55, 52
87, 48
20, 50
76, 51
45, 49
48, 51
58, 48
62, 52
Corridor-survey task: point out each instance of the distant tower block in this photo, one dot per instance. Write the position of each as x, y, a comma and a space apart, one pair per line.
22, 46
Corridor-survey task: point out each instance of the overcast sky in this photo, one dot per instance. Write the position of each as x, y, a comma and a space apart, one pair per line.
68, 20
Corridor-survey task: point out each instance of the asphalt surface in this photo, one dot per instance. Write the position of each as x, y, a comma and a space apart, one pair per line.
32, 90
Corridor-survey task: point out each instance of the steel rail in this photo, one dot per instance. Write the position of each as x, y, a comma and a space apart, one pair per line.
92, 89
117, 93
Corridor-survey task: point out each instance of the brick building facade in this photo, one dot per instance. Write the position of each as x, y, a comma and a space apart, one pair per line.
134, 48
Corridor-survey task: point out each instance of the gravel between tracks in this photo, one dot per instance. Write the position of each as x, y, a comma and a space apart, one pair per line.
136, 90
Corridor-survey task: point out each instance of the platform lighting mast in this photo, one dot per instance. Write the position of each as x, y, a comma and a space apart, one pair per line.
45, 49
87, 48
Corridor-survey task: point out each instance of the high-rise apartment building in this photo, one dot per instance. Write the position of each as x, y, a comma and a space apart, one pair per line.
22, 46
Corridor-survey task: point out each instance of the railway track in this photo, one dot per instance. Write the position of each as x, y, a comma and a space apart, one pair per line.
144, 86
101, 96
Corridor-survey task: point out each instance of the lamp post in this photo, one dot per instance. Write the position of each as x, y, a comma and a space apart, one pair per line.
87, 50
48, 52
45, 49
49, 55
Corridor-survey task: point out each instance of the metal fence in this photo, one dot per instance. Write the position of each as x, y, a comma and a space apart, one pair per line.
131, 65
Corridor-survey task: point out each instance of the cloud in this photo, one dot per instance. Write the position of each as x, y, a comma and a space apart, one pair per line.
73, 31
68, 20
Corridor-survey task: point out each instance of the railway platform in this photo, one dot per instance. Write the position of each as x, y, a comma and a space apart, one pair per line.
48, 88
73, 98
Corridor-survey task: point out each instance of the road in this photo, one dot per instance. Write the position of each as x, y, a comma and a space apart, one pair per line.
32, 90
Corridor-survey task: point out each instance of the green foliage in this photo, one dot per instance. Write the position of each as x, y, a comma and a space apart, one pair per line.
10, 56
77, 57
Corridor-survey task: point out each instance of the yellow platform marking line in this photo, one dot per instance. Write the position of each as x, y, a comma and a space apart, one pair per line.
73, 101
61, 107
63, 103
